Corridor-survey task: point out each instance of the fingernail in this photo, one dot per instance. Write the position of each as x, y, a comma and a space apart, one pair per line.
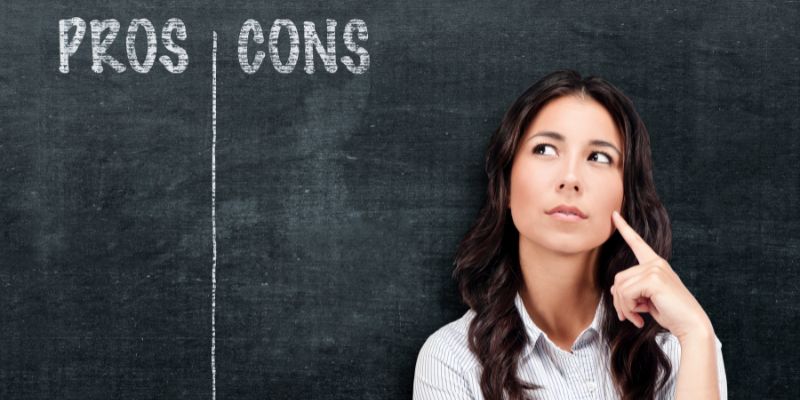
616, 213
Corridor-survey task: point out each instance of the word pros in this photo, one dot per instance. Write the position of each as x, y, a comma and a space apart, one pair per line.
69, 46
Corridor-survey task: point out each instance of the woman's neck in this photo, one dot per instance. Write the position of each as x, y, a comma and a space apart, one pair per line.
560, 291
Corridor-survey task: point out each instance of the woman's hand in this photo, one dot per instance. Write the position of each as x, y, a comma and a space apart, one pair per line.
653, 287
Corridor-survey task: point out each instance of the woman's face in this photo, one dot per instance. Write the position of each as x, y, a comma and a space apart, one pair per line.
568, 155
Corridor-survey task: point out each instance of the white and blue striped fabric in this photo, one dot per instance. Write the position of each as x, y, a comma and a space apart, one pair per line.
446, 369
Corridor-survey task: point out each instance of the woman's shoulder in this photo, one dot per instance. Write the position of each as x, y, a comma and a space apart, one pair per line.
445, 366
450, 345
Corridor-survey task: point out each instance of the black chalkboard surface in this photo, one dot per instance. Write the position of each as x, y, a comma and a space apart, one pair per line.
205, 230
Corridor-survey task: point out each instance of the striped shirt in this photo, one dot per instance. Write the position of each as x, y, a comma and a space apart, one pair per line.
447, 369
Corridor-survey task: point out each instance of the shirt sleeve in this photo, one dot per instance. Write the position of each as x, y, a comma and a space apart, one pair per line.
673, 350
723, 380
437, 375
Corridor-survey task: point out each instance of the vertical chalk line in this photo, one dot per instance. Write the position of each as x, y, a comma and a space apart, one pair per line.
213, 213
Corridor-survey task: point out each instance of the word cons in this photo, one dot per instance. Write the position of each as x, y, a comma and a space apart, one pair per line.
311, 43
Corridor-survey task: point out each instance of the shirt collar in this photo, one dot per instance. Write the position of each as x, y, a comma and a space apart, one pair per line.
535, 334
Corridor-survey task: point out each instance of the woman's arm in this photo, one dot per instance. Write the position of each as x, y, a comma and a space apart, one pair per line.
654, 287
700, 375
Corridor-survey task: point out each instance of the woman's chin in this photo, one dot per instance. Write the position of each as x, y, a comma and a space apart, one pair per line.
570, 244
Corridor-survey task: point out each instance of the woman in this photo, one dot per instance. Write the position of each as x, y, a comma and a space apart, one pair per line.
569, 299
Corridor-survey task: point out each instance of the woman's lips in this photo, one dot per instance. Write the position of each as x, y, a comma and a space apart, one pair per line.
566, 217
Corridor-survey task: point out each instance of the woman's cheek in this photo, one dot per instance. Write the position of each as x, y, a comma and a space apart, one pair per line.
525, 202
611, 201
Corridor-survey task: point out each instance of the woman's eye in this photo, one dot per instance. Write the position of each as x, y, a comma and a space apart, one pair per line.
604, 158
538, 148
604, 155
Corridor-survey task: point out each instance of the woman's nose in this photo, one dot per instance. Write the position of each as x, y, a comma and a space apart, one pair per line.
569, 185
570, 180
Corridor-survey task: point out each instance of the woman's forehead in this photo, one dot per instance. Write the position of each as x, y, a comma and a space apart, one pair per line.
575, 120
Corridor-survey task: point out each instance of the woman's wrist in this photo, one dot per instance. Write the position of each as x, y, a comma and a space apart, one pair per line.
702, 332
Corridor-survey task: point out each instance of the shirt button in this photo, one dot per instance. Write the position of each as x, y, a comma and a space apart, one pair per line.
591, 385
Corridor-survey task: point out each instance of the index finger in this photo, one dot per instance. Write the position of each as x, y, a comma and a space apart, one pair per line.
644, 253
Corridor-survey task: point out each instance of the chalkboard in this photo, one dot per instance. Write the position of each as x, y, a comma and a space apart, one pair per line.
207, 228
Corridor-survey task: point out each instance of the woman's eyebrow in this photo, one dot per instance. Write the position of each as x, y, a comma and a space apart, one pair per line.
560, 138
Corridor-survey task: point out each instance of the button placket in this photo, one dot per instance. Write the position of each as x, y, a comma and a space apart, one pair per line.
574, 363
584, 377
593, 384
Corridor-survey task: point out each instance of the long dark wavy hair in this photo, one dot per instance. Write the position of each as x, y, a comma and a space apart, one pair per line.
487, 261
